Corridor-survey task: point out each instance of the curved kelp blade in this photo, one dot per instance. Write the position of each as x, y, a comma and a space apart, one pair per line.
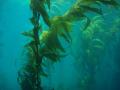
54, 42
45, 15
92, 9
113, 3
38, 6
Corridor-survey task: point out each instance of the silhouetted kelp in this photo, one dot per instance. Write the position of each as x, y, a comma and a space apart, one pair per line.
45, 45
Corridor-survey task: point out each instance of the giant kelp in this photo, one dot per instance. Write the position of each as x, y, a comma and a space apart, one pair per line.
90, 51
46, 44
96, 41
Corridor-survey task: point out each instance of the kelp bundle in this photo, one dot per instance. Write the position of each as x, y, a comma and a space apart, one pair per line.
30, 75
81, 9
46, 44
96, 40
43, 45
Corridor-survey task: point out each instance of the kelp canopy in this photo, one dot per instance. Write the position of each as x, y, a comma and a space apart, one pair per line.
46, 44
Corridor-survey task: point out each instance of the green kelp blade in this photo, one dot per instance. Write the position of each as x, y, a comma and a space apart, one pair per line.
74, 15
30, 46
50, 53
87, 23
92, 9
66, 32
31, 43
33, 21
54, 42
28, 34
66, 37
110, 2
45, 15
38, 6
61, 27
54, 56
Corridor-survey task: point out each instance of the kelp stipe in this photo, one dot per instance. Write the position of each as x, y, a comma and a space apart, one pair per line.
30, 76
46, 44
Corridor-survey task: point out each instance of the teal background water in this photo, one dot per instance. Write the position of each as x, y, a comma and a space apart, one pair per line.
64, 75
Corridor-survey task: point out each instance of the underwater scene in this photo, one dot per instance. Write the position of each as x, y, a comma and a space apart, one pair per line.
59, 44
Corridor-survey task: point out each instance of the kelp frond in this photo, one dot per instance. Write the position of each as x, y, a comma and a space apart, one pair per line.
39, 7
94, 26
80, 9
47, 44
50, 39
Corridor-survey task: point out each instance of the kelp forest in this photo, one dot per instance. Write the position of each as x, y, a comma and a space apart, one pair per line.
60, 45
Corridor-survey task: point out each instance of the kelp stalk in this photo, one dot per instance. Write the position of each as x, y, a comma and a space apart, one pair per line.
38, 58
